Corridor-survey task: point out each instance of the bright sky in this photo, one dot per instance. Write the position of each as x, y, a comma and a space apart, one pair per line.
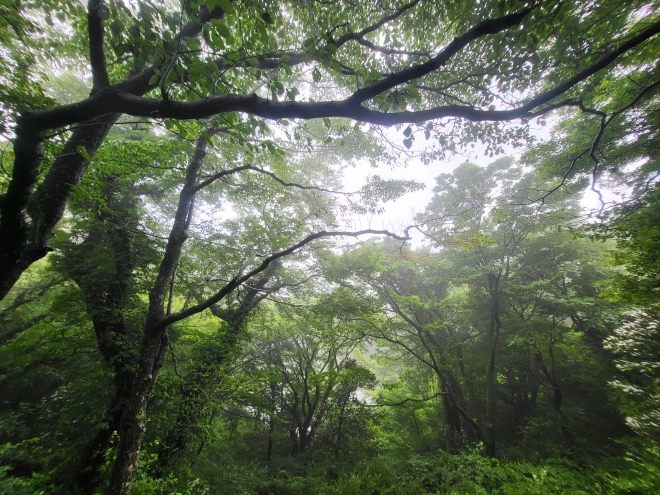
400, 213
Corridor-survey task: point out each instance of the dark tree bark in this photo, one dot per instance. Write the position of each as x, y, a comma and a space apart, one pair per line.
27, 216
155, 341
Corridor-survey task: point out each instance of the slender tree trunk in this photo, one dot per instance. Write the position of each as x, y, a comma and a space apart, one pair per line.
295, 446
271, 425
557, 397
452, 415
474, 406
340, 426
494, 325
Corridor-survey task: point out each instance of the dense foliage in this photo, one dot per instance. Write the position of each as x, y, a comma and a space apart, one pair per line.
186, 306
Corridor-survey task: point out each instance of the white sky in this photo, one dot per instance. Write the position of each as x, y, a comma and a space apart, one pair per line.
400, 213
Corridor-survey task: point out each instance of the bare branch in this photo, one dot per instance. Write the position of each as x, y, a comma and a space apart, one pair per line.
235, 170
361, 34
404, 401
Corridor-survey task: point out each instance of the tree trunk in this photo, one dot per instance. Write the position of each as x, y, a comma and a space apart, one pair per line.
153, 348
134, 420
23, 242
472, 399
494, 325
104, 299
271, 425
557, 397
452, 415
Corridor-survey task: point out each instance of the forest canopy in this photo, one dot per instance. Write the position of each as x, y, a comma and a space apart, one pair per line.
187, 307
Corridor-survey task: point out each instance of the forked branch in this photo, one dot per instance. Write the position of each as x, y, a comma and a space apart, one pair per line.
241, 279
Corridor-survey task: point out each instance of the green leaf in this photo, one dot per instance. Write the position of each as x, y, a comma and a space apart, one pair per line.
83, 152
226, 6
223, 31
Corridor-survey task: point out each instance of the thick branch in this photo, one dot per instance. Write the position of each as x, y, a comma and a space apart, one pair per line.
96, 51
113, 100
490, 26
645, 34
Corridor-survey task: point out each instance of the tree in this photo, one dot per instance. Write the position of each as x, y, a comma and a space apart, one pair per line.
237, 83
211, 362
313, 376
105, 250
471, 207
498, 50
493, 317
408, 285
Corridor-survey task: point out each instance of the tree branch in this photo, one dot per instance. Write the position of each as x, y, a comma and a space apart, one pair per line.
361, 34
239, 280
404, 401
235, 170
24, 240
96, 51
490, 26
114, 100
606, 60
388, 51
